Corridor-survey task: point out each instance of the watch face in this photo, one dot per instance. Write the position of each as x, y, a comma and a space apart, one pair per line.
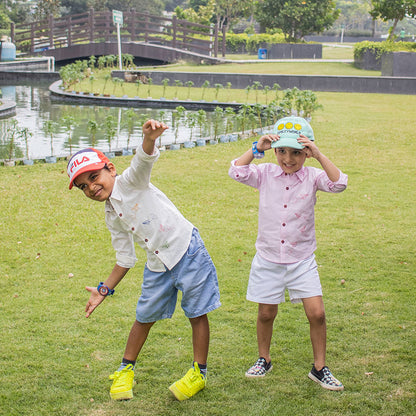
103, 291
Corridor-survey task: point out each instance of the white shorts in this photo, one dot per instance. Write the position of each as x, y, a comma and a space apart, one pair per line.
268, 281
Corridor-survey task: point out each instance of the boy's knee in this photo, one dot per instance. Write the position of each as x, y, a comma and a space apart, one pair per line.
267, 313
317, 317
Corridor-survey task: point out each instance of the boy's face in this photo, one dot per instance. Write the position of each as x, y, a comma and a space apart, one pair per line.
289, 159
97, 184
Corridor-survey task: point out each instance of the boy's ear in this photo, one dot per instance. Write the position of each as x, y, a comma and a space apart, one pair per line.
111, 167
308, 152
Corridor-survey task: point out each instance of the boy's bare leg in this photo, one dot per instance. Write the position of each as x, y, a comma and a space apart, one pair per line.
200, 338
315, 312
265, 318
137, 337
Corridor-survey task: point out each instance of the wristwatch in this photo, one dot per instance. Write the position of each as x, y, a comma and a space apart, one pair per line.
104, 290
256, 153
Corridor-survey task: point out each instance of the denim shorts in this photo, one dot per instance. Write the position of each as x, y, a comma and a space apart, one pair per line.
194, 275
268, 281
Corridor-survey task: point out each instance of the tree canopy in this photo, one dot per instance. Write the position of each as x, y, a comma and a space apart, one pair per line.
297, 18
395, 10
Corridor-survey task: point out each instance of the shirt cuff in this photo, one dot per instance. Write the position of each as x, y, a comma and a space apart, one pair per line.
144, 156
126, 261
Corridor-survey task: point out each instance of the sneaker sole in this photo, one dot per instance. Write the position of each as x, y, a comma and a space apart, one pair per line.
177, 393
325, 386
123, 395
259, 375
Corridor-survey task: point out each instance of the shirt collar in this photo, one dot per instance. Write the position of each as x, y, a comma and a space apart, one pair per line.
115, 193
300, 174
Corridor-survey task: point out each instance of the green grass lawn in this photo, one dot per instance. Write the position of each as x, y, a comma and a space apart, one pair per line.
53, 242
329, 51
284, 68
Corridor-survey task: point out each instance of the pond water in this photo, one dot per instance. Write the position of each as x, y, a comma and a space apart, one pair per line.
34, 108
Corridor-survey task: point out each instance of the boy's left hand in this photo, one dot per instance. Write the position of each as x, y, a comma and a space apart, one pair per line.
265, 142
310, 149
152, 129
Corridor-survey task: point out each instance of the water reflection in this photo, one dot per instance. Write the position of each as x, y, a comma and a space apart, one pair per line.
34, 108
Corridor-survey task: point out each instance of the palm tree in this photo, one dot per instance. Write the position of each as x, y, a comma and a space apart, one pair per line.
110, 130
92, 127
205, 85
131, 116
165, 83
68, 122
49, 130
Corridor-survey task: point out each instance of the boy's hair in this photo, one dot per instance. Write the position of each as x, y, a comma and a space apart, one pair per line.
85, 161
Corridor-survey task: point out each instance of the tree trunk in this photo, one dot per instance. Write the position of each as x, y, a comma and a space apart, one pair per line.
392, 29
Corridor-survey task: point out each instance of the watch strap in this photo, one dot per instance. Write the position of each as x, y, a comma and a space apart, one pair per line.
256, 153
104, 290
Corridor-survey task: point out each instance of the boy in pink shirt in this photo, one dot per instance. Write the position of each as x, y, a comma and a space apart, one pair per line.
286, 236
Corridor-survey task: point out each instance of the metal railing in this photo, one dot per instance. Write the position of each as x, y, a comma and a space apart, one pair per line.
97, 27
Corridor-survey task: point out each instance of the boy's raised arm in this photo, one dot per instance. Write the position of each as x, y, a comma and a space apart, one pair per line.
312, 151
263, 144
152, 129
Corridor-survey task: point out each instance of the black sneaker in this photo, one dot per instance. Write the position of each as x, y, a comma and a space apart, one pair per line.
325, 379
260, 368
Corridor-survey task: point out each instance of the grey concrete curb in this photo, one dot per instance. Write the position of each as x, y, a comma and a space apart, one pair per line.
7, 108
58, 94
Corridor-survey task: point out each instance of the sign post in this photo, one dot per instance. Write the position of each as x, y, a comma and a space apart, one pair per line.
118, 20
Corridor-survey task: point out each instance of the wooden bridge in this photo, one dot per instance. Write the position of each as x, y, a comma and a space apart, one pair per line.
143, 35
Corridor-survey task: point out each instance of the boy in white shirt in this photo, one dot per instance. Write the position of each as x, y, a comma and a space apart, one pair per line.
138, 212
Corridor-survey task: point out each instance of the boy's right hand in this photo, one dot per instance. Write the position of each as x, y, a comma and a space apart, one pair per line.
265, 142
94, 300
152, 129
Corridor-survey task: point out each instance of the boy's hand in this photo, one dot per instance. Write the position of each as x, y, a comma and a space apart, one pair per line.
310, 149
265, 142
152, 129
94, 300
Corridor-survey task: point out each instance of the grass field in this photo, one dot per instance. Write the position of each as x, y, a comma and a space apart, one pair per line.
284, 68
53, 242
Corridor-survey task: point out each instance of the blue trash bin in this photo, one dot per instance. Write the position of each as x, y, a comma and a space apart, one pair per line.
262, 53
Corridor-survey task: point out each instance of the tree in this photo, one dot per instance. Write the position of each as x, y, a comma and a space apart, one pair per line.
144, 6
395, 10
45, 8
297, 18
354, 14
74, 6
228, 11
223, 12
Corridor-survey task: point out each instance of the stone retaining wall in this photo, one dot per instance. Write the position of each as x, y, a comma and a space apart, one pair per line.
383, 85
399, 64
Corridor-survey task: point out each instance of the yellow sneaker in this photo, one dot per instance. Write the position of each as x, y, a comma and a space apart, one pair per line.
189, 385
123, 382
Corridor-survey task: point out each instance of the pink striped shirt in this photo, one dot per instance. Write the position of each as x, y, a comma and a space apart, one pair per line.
286, 224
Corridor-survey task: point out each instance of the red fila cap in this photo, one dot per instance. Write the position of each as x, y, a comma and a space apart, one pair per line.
85, 161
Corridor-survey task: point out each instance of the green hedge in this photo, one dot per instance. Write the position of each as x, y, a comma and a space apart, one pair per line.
250, 43
380, 48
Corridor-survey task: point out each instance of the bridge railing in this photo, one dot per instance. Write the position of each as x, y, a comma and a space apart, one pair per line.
97, 27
